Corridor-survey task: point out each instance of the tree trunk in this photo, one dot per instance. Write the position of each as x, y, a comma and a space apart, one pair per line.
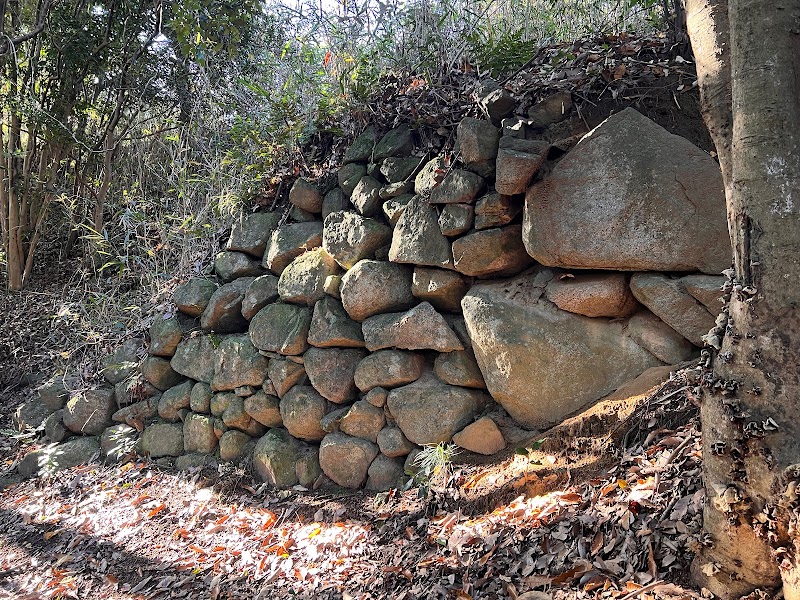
750, 411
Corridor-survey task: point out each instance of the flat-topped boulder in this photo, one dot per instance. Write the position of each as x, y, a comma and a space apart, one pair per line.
630, 197
417, 238
542, 363
349, 237
290, 241
251, 233
421, 328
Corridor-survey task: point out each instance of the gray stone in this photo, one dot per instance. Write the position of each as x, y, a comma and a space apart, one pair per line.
346, 459
658, 338
261, 291
232, 265
363, 420
192, 297
385, 473
393, 443
706, 289
395, 190
477, 141
136, 414
397, 142
430, 176
307, 466
670, 302
331, 421
332, 327
165, 335
194, 358
224, 311
459, 368
396, 169
281, 328
302, 408
334, 201
456, 219
264, 408
361, 149
495, 210
237, 364
366, 196
377, 396
482, 437
373, 287
174, 400
349, 176
54, 427
284, 374
118, 441
348, 237
443, 289
553, 109
331, 371
200, 398
491, 252
233, 445
497, 102
518, 161
332, 285
158, 372
306, 195
31, 414
123, 362
235, 416
298, 215
429, 411
540, 363
245, 391
421, 328
220, 403
417, 238
303, 281
630, 196
274, 458
593, 295
290, 241
198, 434
394, 208
219, 427
57, 457
458, 325
195, 460
251, 233
89, 412
54, 392
161, 439
388, 369
458, 187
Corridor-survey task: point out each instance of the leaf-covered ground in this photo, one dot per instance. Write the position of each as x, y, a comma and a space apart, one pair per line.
608, 515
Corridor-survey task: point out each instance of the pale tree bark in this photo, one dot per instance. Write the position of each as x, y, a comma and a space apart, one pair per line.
751, 409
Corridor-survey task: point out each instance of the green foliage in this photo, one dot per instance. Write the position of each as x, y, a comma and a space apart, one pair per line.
431, 462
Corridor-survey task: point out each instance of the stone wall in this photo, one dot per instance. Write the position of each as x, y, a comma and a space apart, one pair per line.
418, 300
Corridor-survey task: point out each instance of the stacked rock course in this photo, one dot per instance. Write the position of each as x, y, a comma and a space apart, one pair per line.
408, 301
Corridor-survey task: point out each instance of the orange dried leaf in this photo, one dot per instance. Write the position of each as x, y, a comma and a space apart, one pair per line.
156, 510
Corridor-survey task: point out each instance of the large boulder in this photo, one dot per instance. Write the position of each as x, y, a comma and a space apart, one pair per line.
73, 452
346, 459
261, 291
232, 265
264, 408
372, 287
429, 411
274, 458
165, 335
89, 412
362, 146
284, 374
303, 281
706, 289
158, 372
161, 439
122, 363
518, 161
290, 241
281, 328
670, 301
306, 194
198, 433
349, 237
495, 210
421, 328
302, 408
331, 370
477, 142
456, 219
388, 369
542, 363
251, 233
31, 414
630, 196
491, 252
443, 289
417, 238
192, 297
194, 357
331, 326
458, 187
174, 401
363, 421
366, 196
482, 437
238, 363
396, 142
459, 368
658, 338
224, 311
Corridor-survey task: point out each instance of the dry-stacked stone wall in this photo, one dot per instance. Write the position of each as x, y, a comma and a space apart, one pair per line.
423, 299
